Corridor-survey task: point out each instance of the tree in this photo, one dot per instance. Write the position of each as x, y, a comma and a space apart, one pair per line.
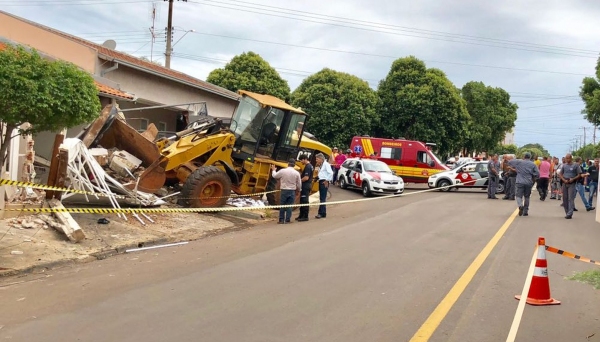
538, 147
340, 106
251, 72
588, 151
506, 149
422, 104
590, 94
50, 95
492, 115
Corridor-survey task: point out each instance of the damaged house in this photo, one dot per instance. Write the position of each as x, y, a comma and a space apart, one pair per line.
122, 79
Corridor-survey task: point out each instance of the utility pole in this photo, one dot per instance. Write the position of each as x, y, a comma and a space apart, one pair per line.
169, 34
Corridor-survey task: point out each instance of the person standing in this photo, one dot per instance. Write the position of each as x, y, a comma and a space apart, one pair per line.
580, 185
325, 175
592, 181
290, 185
494, 176
542, 183
527, 173
335, 167
307, 180
511, 178
339, 160
569, 174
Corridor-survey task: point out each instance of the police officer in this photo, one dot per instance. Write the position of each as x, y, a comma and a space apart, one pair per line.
494, 176
307, 180
569, 174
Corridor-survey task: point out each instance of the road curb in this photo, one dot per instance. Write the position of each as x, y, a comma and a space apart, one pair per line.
119, 249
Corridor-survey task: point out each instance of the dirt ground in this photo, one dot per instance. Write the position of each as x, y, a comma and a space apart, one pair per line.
28, 243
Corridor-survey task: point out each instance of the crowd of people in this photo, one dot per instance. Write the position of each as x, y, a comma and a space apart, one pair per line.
563, 179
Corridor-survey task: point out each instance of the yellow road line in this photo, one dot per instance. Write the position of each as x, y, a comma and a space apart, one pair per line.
437, 316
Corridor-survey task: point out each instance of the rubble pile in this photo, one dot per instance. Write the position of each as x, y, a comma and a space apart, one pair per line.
34, 222
245, 202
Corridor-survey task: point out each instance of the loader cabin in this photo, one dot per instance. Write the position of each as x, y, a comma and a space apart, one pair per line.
266, 127
412, 160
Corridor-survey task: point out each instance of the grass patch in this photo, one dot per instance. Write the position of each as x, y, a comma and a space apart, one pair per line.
588, 277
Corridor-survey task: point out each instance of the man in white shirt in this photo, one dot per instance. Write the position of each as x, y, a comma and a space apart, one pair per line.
289, 186
325, 176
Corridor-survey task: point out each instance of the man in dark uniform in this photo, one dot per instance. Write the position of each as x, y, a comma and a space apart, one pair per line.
307, 180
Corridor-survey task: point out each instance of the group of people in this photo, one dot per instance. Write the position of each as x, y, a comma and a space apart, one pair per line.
293, 183
561, 180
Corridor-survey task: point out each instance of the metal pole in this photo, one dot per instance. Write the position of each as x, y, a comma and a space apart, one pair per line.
169, 33
162, 106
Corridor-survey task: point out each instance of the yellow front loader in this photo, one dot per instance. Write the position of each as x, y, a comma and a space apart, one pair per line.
210, 160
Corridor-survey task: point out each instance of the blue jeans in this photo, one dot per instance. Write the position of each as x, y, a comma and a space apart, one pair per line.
322, 198
581, 190
593, 189
287, 197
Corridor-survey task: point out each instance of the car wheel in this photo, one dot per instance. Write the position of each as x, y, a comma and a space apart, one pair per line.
500, 188
365, 189
343, 183
444, 185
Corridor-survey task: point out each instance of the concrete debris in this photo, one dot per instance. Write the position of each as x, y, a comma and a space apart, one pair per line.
16, 252
69, 226
33, 222
124, 163
101, 155
245, 202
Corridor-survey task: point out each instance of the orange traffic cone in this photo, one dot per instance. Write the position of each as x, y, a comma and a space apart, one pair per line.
539, 291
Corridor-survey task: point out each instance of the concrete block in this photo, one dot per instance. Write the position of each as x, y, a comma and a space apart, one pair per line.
122, 162
100, 154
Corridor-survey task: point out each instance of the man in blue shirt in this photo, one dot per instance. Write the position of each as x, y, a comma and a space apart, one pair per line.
325, 176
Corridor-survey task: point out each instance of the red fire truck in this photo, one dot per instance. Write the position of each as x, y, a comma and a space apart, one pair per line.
412, 160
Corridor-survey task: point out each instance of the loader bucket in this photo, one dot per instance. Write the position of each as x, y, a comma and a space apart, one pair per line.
152, 179
109, 131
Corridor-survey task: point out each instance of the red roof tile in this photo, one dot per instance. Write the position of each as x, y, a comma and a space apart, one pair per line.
104, 89
138, 62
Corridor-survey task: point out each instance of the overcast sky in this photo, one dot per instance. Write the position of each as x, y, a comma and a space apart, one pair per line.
553, 43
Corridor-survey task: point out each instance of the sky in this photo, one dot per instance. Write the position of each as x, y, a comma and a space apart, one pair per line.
538, 51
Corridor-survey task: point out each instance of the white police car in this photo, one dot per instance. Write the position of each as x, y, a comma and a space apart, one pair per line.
468, 175
371, 176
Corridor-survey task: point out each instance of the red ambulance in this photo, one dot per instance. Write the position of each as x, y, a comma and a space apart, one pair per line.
411, 160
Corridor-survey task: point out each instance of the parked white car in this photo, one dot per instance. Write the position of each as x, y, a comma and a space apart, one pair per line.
373, 177
468, 175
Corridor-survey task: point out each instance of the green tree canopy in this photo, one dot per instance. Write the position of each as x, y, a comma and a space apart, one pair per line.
422, 104
588, 151
249, 71
506, 149
50, 95
590, 94
539, 147
535, 152
340, 106
492, 115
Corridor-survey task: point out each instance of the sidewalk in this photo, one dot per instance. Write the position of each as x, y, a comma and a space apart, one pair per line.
33, 245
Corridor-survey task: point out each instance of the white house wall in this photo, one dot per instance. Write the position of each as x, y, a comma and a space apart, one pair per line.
162, 90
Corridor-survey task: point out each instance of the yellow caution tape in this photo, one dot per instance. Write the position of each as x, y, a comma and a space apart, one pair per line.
209, 210
56, 188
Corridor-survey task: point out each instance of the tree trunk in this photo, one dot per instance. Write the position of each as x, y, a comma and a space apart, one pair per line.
5, 143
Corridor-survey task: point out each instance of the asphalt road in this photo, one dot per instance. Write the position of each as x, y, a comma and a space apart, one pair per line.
371, 271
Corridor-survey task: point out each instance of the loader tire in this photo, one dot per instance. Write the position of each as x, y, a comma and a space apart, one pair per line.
274, 198
205, 188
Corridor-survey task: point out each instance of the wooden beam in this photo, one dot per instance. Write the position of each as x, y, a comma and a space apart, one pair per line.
68, 225
61, 176
52, 176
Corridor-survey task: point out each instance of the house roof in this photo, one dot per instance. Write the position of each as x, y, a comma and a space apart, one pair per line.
112, 92
106, 53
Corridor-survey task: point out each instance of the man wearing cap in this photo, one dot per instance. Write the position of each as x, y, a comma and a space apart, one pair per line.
527, 174
289, 186
325, 177
307, 181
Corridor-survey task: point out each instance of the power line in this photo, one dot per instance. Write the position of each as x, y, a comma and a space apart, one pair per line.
413, 29
384, 56
66, 3
552, 105
207, 3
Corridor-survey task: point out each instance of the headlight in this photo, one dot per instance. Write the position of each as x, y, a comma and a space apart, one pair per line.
433, 177
377, 180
